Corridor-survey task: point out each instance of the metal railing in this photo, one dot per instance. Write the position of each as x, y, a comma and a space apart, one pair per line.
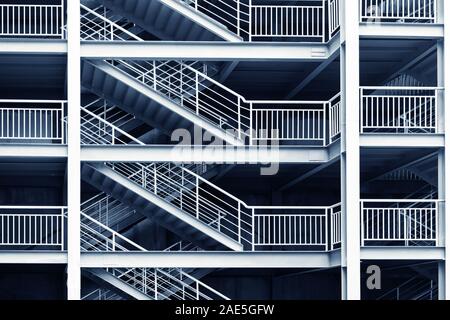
308, 122
400, 222
98, 131
413, 289
32, 20
102, 294
406, 110
316, 20
96, 25
106, 210
297, 227
32, 227
32, 121
334, 18
158, 284
193, 90
399, 11
253, 227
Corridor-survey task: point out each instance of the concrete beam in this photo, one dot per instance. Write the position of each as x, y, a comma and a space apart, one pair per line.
402, 141
401, 31
193, 154
20, 46
210, 259
32, 151
402, 253
33, 257
214, 51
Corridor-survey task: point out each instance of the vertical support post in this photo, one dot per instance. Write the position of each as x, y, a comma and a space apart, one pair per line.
63, 13
253, 229
350, 155
444, 175
73, 161
250, 20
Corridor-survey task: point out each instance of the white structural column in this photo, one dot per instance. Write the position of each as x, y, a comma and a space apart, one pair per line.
73, 162
444, 292
350, 159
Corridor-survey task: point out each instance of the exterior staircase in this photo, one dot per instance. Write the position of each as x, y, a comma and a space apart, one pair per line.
178, 197
210, 20
415, 289
174, 20
137, 283
169, 96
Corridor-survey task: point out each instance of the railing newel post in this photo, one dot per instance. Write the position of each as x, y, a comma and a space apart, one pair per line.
253, 229
197, 195
239, 223
250, 20
362, 221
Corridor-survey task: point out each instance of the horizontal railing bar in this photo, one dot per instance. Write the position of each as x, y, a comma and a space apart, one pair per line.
33, 207
400, 201
388, 88
31, 101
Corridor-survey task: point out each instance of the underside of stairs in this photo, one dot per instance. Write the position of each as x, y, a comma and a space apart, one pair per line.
113, 283
157, 209
171, 20
144, 103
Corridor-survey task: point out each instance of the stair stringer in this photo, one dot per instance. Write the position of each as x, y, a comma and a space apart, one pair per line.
216, 29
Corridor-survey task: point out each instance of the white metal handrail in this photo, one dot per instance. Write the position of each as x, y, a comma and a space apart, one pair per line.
399, 11
296, 121
33, 121
229, 215
193, 90
106, 210
154, 282
161, 285
399, 109
32, 20
299, 121
109, 112
414, 288
411, 222
102, 294
96, 130
316, 20
296, 227
96, 26
102, 238
183, 247
32, 226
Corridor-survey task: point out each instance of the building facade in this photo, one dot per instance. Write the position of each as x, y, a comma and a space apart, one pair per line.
224, 149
